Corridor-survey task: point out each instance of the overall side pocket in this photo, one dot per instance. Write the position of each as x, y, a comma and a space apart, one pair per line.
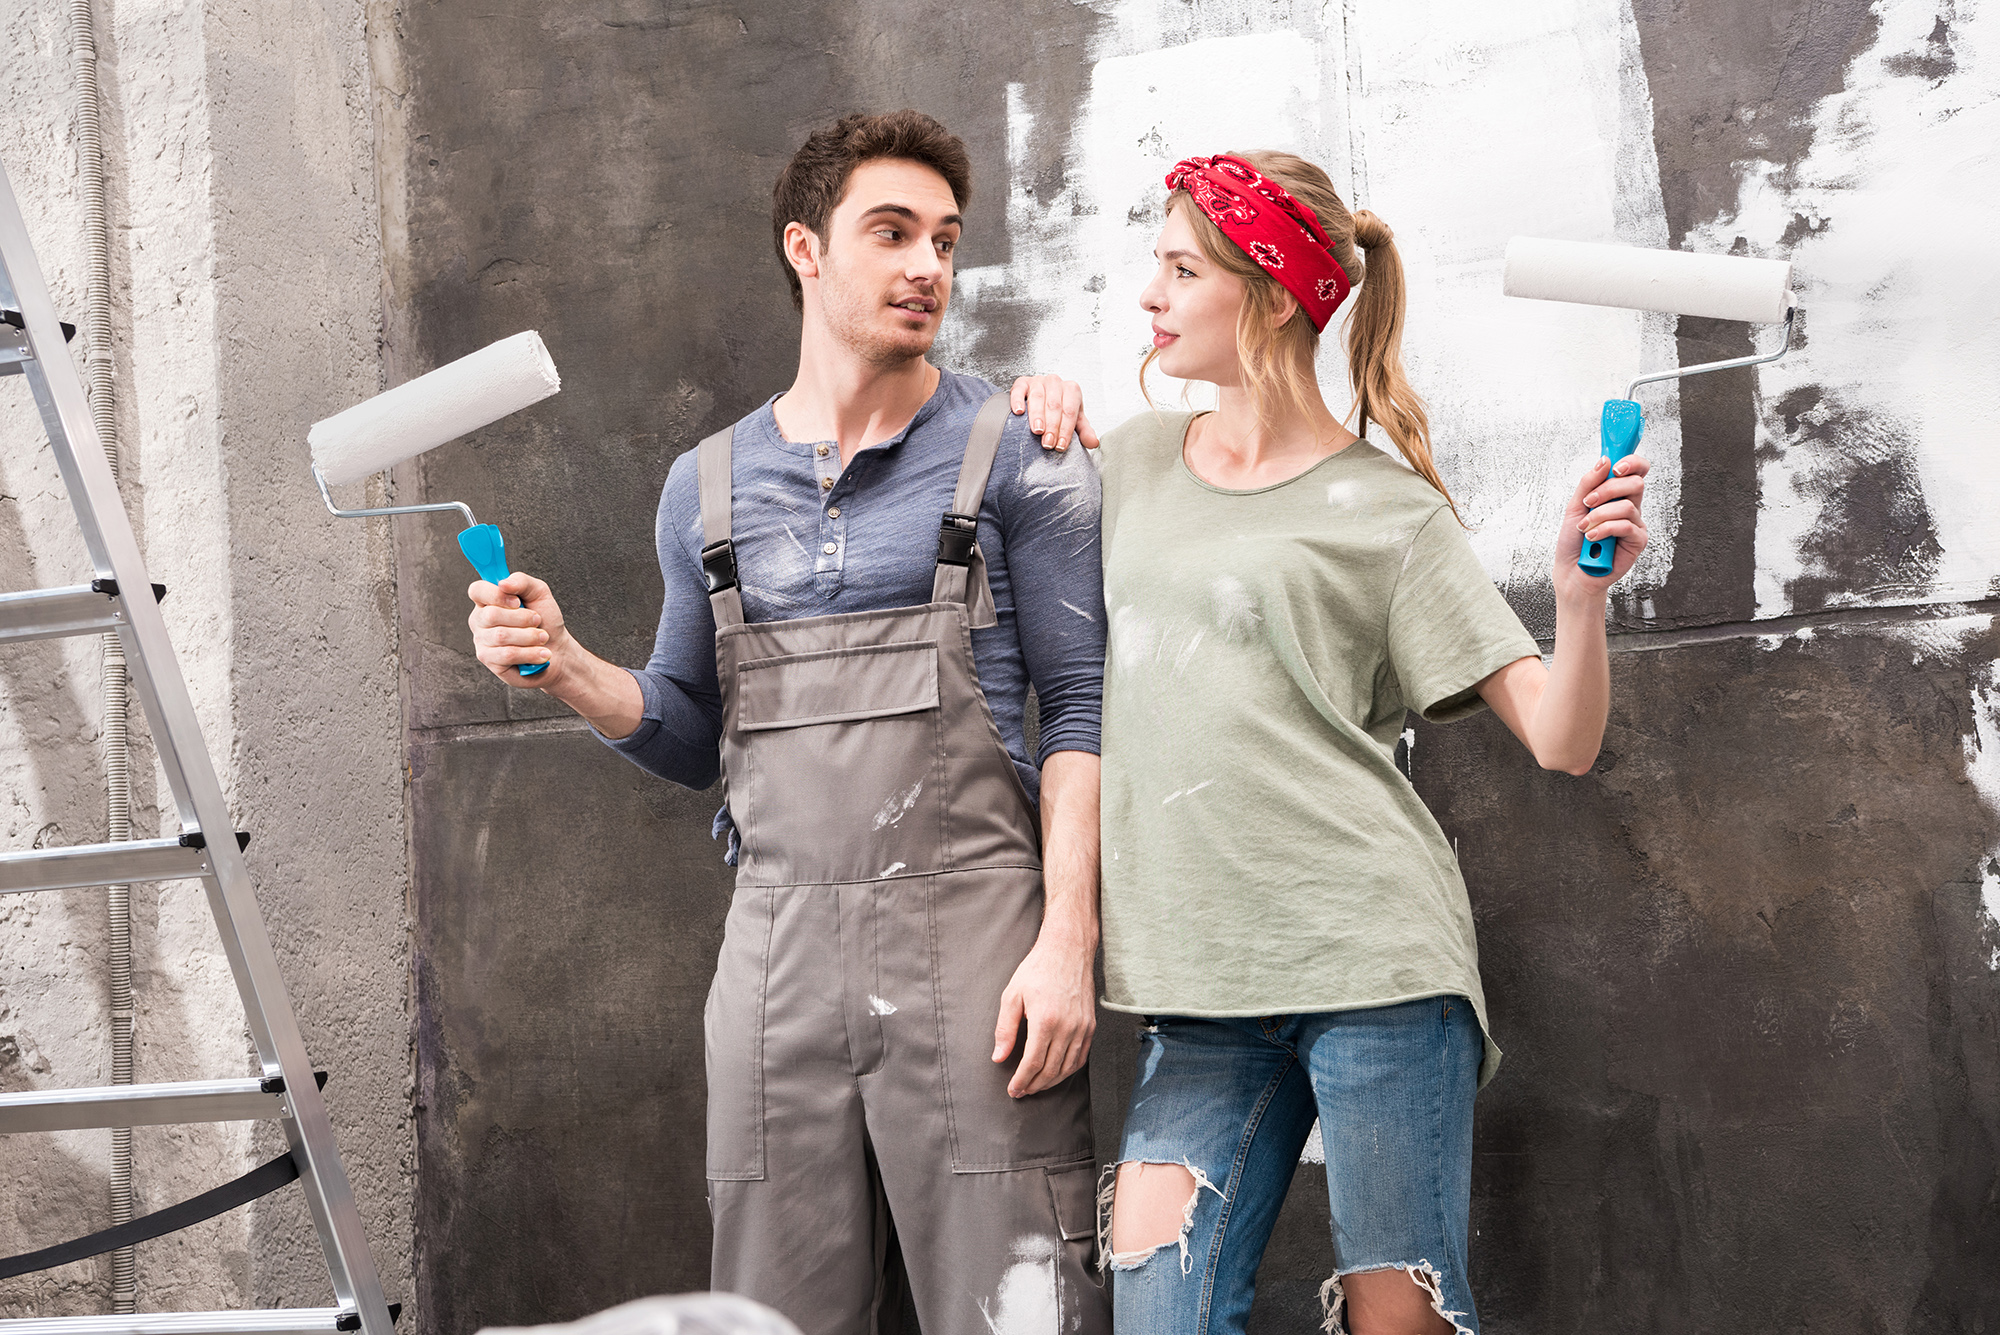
982, 924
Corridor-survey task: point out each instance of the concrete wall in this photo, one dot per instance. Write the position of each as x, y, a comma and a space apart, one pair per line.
246, 268
1745, 971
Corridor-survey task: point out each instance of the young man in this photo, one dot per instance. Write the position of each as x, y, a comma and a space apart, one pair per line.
863, 579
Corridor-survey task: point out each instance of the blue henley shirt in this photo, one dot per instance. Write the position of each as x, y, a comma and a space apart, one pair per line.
813, 538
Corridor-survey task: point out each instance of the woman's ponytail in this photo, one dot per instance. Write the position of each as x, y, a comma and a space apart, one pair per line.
1382, 392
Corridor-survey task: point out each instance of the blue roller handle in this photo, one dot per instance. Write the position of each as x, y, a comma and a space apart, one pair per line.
1623, 423
484, 547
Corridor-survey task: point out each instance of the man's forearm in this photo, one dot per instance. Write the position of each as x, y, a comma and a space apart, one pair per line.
602, 692
1069, 850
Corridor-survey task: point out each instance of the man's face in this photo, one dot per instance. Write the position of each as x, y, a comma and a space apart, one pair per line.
884, 273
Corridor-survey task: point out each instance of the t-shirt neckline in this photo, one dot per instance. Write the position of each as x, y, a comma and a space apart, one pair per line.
1187, 469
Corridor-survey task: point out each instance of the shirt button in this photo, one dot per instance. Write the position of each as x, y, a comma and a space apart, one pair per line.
826, 484
830, 549
821, 451
833, 512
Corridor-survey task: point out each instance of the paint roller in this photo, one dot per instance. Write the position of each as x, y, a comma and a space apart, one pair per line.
462, 396
1721, 287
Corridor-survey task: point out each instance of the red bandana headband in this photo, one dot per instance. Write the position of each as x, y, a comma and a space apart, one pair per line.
1284, 238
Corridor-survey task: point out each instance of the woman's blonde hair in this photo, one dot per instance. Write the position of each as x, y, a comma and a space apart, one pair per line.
1278, 362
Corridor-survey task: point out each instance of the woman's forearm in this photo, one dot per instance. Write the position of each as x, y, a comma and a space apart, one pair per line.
1567, 726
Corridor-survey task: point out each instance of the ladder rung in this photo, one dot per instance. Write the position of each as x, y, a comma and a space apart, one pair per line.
41, 614
285, 1321
101, 864
137, 1105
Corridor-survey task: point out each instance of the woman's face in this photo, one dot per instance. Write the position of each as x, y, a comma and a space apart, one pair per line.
1194, 304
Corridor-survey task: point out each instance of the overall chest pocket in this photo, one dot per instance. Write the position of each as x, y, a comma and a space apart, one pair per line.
841, 763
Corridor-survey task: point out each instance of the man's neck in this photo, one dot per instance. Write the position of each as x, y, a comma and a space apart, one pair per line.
842, 397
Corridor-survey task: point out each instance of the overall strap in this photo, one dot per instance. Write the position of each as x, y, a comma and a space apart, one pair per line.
718, 553
961, 566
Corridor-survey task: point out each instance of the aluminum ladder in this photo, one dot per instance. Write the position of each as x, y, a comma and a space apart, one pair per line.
121, 599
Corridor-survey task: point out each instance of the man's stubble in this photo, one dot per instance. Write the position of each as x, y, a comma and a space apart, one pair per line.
847, 312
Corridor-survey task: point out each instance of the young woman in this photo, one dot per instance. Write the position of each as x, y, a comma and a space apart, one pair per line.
1278, 904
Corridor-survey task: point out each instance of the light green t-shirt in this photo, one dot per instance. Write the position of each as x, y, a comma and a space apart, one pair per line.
1262, 853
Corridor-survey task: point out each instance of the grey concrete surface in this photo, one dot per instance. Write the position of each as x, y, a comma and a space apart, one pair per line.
564, 945
246, 267
1753, 1078
1744, 971
1741, 970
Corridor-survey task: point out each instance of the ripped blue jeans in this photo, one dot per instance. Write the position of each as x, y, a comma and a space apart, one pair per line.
1234, 1101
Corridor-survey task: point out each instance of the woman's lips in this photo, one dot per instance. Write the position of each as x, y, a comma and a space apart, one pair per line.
1161, 338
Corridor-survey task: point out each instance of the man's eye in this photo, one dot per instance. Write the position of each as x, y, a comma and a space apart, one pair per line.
889, 234
947, 245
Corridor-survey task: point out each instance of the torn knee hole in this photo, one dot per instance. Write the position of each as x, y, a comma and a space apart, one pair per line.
1144, 1205
1335, 1301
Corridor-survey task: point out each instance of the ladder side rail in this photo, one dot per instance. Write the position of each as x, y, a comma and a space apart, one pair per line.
153, 669
93, 491
155, 675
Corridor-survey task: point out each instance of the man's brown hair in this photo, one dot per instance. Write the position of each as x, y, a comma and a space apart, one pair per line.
813, 182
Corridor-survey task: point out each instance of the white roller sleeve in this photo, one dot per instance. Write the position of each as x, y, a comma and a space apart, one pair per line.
1722, 287
421, 414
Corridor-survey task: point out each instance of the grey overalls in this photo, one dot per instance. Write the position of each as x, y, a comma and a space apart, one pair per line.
889, 883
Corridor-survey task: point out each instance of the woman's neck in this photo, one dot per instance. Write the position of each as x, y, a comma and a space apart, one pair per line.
1235, 448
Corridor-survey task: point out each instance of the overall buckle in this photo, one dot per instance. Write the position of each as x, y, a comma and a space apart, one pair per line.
718, 565
955, 539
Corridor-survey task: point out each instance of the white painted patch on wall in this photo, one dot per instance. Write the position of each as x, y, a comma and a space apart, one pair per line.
1424, 113
879, 1006
1315, 1150
1889, 215
1989, 903
1088, 253
1447, 100
1982, 769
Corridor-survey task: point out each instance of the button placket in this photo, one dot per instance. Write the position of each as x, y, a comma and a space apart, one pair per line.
833, 530
826, 465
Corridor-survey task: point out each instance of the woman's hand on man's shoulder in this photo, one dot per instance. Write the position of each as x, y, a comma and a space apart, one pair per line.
1055, 410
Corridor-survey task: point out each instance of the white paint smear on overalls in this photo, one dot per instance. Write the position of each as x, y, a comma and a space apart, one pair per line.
1027, 1303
